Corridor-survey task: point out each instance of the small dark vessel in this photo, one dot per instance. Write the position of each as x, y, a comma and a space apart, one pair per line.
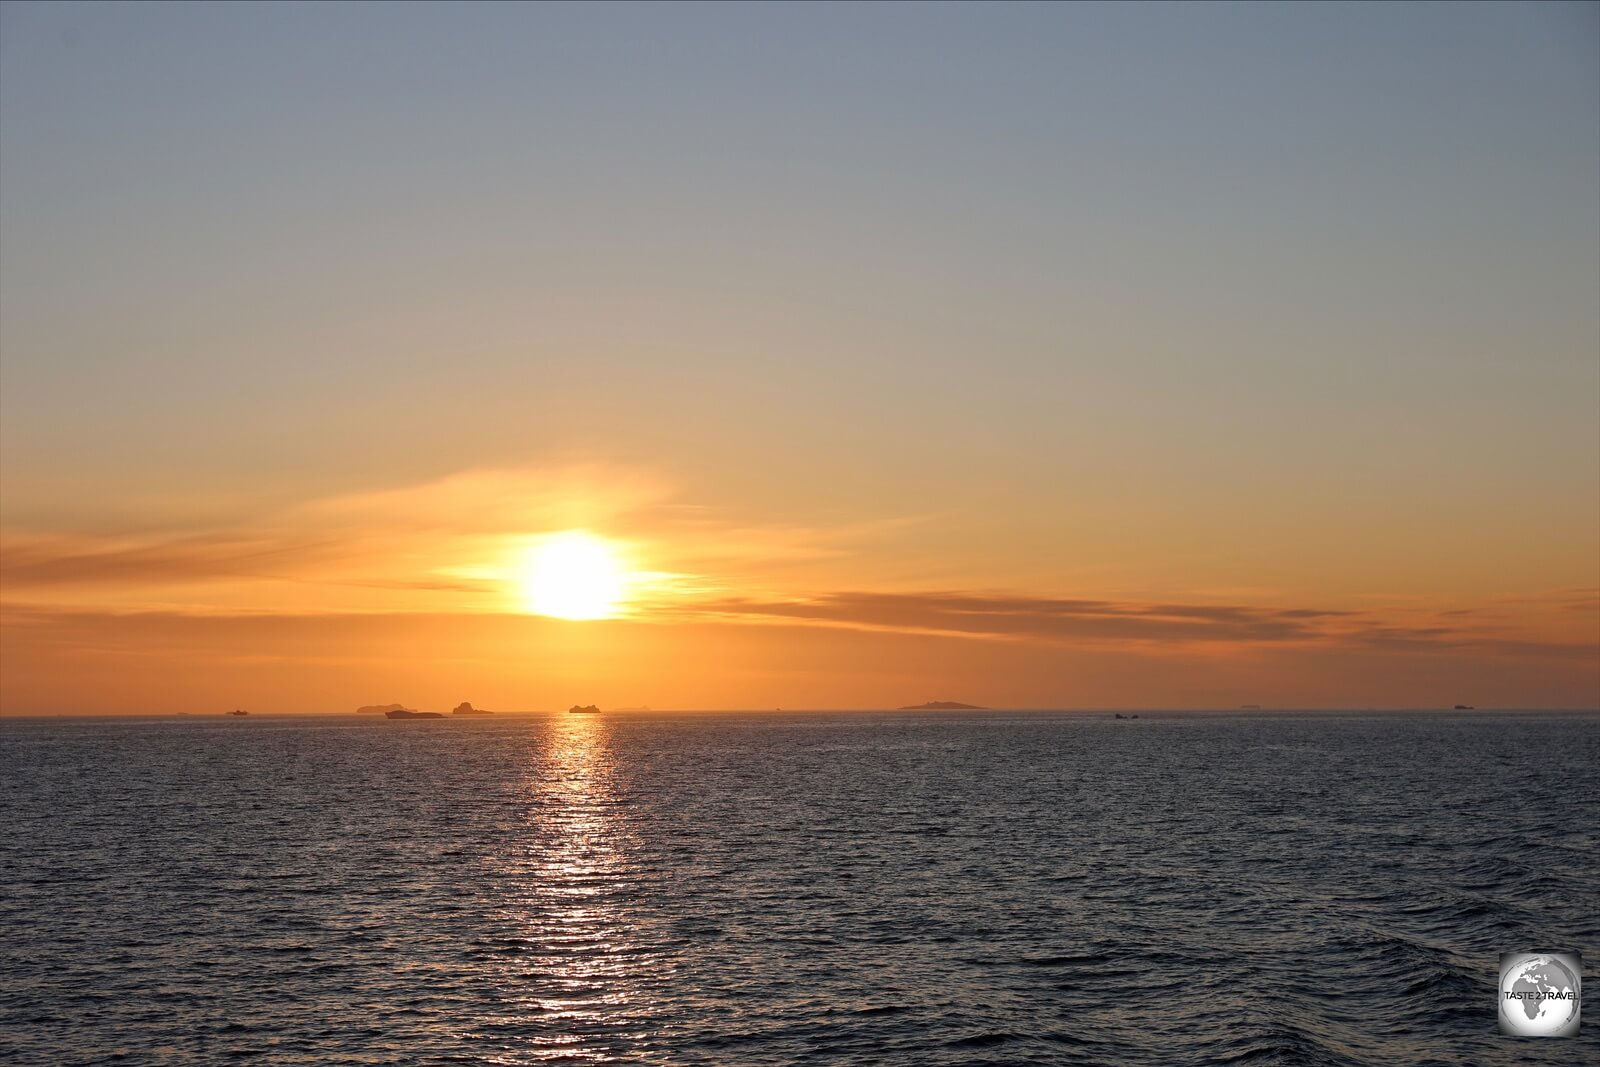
585, 709
1465, 707
402, 713
236, 711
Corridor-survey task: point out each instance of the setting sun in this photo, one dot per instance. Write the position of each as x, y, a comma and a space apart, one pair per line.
572, 575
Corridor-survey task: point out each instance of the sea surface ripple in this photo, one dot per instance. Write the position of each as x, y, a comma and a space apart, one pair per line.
1003, 888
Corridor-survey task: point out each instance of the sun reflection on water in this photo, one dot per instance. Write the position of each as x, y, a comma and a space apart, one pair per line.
587, 970
594, 967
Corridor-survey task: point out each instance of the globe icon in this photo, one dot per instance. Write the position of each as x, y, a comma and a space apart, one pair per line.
1539, 995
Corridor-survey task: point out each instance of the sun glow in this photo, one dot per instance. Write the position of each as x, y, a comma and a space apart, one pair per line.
572, 575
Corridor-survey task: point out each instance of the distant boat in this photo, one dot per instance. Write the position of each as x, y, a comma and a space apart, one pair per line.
402, 713
236, 711
1465, 707
585, 709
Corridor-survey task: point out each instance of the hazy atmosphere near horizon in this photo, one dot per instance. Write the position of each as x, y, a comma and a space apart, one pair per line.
835, 356
799, 534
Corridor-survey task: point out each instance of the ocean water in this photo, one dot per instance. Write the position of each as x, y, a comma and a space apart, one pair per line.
785, 889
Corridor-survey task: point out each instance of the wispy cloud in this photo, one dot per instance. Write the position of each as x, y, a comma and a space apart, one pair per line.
969, 614
34, 562
453, 544
1125, 623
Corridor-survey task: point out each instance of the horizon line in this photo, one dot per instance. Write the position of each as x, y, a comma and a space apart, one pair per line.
640, 712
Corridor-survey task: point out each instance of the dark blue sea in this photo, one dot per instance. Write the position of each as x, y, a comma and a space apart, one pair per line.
1000, 888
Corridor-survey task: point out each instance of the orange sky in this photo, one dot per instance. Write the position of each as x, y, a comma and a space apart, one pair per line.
1041, 356
415, 594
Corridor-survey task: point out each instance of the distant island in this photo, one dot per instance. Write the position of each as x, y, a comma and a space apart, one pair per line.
465, 708
402, 713
379, 709
942, 705
584, 709
236, 711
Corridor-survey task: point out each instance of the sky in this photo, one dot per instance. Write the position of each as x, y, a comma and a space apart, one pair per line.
1025, 355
